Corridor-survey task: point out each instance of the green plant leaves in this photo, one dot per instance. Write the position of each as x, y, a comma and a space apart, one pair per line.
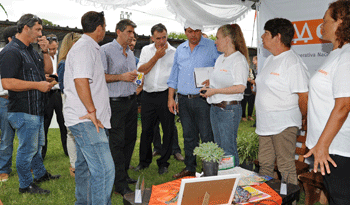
209, 151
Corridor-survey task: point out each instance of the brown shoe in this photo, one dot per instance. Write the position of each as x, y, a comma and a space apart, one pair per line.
244, 119
4, 177
250, 118
179, 157
184, 173
72, 171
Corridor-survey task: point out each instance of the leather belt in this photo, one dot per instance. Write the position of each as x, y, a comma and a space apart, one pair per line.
4, 96
190, 96
130, 97
223, 104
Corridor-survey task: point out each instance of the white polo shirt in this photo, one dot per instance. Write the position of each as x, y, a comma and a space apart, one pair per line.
278, 84
156, 79
331, 81
84, 61
228, 71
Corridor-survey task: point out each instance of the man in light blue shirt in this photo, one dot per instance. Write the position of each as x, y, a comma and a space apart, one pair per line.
194, 111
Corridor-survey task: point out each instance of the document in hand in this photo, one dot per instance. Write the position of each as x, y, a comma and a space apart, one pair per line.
201, 75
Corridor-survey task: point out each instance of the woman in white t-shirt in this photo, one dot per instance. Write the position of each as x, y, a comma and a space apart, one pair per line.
281, 100
329, 105
227, 83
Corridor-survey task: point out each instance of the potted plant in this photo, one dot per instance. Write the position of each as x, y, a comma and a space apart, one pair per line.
211, 154
248, 149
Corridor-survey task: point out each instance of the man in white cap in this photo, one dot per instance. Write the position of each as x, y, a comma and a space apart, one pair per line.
196, 52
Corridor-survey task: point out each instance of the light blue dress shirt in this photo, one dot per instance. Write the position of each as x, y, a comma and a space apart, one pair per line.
203, 55
115, 62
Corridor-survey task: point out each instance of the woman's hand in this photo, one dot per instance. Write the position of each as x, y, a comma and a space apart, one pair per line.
207, 92
321, 157
206, 83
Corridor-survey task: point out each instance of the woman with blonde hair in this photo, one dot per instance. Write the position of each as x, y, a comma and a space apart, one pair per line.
227, 82
67, 43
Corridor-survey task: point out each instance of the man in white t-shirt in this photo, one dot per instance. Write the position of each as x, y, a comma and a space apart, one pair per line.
87, 112
281, 100
156, 61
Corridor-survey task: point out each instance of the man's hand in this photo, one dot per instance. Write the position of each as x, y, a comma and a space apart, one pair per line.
161, 51
172, 106
43, 43
93, 118
206, 83
129, 76
44, 86
48, 78
321, 157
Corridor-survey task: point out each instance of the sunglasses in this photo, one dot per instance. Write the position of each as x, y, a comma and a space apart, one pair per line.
52, 39
34, 17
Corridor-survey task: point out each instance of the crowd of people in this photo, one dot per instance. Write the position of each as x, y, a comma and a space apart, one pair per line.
92, 89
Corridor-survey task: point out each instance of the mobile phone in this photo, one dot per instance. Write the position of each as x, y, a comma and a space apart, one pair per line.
203, 91
54, 76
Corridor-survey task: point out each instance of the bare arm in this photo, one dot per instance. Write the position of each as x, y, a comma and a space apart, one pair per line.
171, 100
18, 85
83, 89
147, 67
235, 89
48, 68
127, 77
303, 98
336, 120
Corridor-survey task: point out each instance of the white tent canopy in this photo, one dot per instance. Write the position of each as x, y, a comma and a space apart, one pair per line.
207, 13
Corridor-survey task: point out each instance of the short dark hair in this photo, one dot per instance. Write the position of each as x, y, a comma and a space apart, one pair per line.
9, 32
122, 24
135, 35
91, 20
51, 38
281, 26
29, 20
159, 28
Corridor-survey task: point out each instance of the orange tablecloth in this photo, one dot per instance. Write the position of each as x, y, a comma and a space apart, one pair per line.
165, 192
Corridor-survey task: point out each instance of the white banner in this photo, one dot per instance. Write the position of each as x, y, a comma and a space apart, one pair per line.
307, 17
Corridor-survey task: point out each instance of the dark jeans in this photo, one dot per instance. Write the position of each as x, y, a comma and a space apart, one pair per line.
337, 182
195, 119
122, 138
155, 106
54, 104
250, 99
157, 140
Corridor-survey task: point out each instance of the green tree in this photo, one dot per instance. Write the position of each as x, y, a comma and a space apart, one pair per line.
3, 8
48, 23
175, 35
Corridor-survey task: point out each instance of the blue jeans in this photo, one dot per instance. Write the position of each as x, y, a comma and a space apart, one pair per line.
7, 136
94, 168
225, 122
194, 114
30, 133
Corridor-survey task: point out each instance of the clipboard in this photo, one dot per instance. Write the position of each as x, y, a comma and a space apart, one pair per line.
201, 74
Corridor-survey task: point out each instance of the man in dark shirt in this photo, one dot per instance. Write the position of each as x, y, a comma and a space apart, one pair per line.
23, 74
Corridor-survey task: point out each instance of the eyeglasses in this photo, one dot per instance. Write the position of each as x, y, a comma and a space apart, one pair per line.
34, 17
53, 38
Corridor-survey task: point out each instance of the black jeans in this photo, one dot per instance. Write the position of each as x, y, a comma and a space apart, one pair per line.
157, 140
250, 99
337, 182
54, 104
155, 106
195, 119
122, 138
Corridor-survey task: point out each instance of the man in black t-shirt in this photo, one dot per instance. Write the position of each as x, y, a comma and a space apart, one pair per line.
23, 74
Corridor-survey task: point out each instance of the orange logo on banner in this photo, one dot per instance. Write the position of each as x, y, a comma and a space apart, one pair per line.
308, 32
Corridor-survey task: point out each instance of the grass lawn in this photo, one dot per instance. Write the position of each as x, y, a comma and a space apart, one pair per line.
63, 189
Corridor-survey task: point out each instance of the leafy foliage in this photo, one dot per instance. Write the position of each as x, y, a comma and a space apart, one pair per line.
209, 152
48, 23
248, 146
175, 35
3, 8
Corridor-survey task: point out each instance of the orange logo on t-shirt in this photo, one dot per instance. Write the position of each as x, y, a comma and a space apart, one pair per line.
273, 73
224, 70
323, 72
308, 32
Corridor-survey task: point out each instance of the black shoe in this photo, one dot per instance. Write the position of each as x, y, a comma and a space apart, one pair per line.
126, 190
47, 176
162, 170
140, 167
34, 189
155, 153
130, 181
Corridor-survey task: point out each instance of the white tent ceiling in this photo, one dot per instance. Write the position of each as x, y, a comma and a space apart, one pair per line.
209, 13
